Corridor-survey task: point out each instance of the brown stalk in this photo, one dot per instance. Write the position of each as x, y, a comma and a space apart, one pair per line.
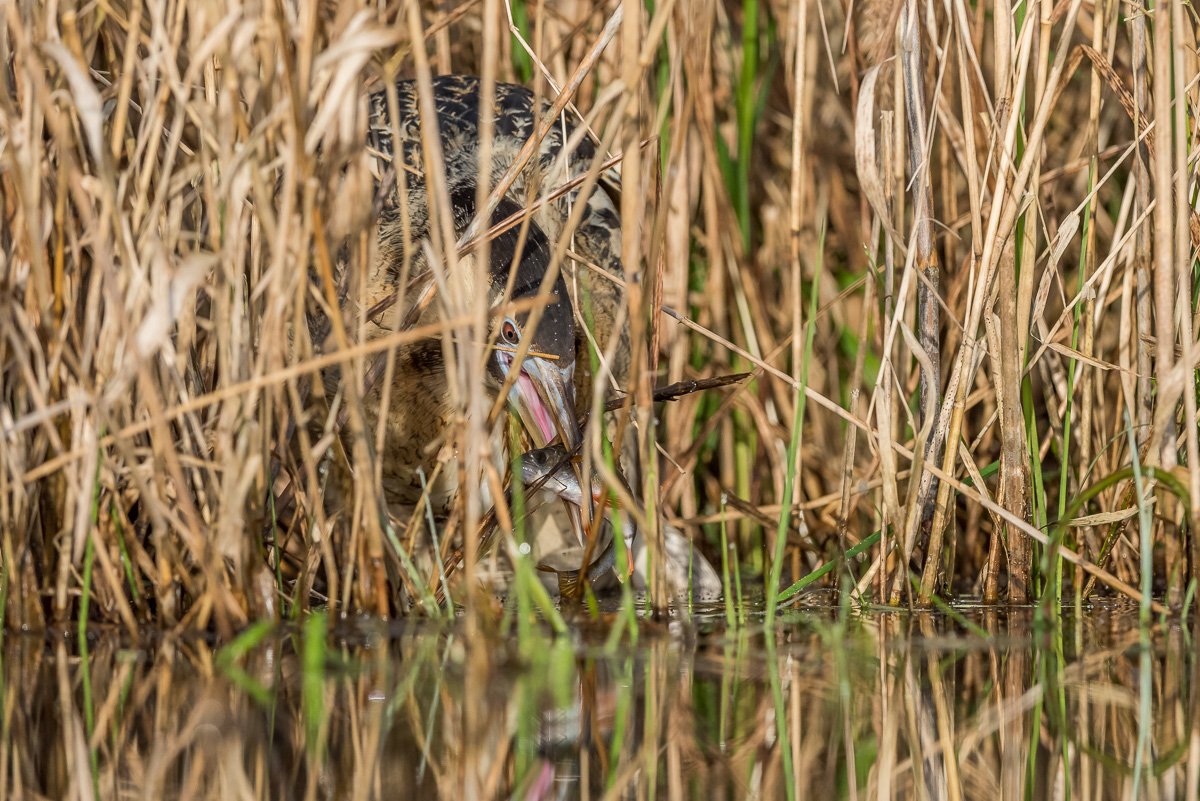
1143, 400
929, 275
1162, 446
1015, 485
1186, 61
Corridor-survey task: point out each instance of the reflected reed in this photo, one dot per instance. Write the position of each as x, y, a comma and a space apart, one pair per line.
870, 708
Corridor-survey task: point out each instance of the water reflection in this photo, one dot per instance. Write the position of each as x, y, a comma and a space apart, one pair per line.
880, 706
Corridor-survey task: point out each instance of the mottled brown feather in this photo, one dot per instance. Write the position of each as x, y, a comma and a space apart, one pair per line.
419, 413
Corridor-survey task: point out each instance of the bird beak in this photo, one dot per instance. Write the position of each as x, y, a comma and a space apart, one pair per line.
544, 397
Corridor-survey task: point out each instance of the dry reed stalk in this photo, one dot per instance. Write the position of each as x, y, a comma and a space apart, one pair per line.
795, 225
1168, 233
928, 276
1187, 62
1088, 267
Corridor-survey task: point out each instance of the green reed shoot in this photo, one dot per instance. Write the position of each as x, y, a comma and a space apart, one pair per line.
785, 513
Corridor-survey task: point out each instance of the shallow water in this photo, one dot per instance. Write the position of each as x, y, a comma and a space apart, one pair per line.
831, 706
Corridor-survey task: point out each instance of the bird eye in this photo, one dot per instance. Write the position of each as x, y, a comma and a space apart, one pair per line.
509, 332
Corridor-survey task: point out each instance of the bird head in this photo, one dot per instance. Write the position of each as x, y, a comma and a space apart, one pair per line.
543, 391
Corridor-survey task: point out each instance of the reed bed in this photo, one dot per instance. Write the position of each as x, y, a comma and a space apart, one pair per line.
955, 244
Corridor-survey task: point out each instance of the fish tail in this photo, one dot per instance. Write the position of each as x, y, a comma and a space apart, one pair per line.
570, 584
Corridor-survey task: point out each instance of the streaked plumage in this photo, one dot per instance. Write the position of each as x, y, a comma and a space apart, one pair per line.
597, 238
418, 413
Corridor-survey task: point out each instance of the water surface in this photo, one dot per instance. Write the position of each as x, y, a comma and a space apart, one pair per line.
982, 704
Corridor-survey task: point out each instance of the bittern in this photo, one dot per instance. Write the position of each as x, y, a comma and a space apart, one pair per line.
543, 394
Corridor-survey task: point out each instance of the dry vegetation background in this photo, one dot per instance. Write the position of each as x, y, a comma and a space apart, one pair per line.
991, 208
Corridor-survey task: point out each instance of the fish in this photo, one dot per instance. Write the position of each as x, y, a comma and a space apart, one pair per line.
552, 469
